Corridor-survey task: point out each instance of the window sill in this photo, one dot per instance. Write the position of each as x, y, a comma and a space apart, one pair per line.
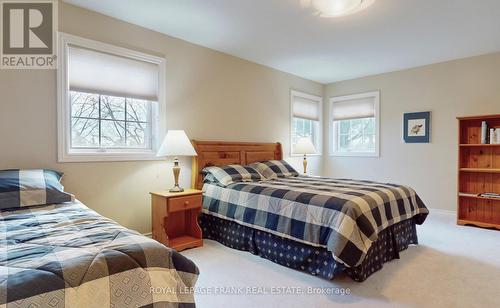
107, 157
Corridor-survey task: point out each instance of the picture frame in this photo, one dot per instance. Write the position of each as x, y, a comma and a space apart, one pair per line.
417, 127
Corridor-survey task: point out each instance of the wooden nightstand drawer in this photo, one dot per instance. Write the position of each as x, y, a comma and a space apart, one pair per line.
184, 203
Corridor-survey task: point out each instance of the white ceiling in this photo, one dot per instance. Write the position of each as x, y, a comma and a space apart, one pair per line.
390, 35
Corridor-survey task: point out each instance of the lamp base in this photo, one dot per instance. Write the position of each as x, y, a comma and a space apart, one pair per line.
176, 189
177, 170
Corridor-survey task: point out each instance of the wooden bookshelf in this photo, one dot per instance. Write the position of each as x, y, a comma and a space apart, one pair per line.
478, 172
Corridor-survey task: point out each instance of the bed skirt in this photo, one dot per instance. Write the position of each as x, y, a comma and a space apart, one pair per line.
314, 260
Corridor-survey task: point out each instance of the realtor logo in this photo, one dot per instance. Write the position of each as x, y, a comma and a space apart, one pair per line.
28, 34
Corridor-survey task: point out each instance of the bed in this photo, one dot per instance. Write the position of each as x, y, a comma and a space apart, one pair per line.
67, 255
318, 225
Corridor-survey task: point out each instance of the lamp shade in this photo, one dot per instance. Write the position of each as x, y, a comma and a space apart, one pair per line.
176, 143
304, 146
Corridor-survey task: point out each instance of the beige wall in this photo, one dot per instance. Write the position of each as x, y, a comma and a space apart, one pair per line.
463, 87
211, 95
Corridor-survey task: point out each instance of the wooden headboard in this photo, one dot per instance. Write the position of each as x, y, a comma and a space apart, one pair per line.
220, 153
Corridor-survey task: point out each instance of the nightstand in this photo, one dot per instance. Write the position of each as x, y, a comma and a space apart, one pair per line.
175, 218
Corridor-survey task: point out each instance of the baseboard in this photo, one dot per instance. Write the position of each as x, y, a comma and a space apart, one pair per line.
148, 234
441, 211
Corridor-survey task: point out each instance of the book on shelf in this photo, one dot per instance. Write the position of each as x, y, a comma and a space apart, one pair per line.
489, 195
484, 195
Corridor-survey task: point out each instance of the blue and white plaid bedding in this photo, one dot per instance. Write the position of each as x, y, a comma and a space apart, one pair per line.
229, 174
272, 169
344, 216
66, 255
28, 187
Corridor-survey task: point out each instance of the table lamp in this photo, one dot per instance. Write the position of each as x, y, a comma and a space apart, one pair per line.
176, 143
304, 146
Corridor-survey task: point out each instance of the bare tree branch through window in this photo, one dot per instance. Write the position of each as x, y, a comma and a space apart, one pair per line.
104, 121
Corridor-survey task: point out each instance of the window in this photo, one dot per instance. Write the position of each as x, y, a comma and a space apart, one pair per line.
104, 121
111, 104
356, 135
305, 119
354, 121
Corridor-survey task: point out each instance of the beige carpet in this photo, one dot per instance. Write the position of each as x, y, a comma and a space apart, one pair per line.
452, 267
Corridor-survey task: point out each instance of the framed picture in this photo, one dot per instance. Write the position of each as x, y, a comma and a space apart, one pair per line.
417, 127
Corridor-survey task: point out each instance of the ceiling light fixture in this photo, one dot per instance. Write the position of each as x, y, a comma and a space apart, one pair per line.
337, 8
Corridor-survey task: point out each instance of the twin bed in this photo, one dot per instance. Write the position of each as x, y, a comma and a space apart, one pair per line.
318, 225
54, 251
64, 254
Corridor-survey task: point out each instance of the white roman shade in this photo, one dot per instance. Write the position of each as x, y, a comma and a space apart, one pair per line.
353, 109
305, 108
98, 72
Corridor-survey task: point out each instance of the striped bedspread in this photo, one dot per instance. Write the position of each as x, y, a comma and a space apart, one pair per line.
66, 255
344, 216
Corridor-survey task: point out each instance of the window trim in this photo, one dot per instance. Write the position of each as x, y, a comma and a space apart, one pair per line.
331, 126
65, 153
319, 99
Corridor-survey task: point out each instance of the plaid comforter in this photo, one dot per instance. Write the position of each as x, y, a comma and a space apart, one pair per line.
66, 255
344, 216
